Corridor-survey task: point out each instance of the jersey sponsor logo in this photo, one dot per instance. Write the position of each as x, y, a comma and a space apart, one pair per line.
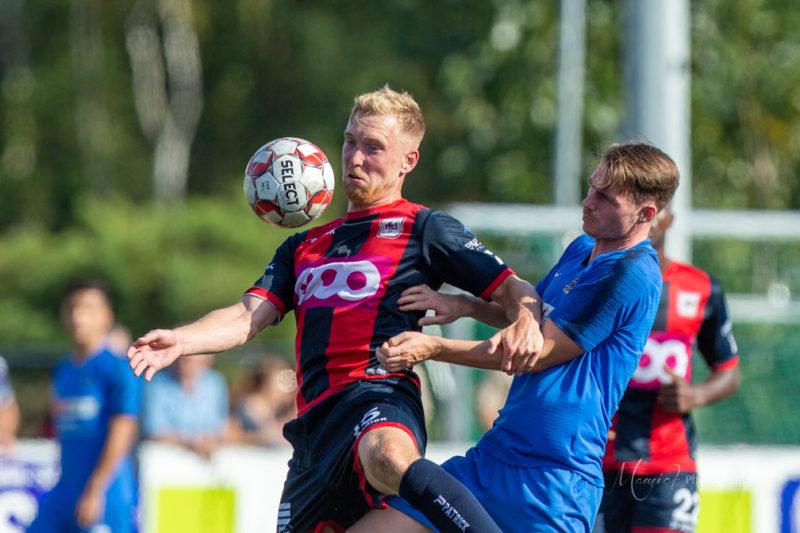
350, 281
391, 228
688, 304
372, 416
475, 245
78, 408
661, 350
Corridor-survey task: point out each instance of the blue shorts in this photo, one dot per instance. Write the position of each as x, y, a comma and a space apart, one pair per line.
57, 515
521, 499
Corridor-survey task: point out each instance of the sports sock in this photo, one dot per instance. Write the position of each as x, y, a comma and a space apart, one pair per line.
448, 504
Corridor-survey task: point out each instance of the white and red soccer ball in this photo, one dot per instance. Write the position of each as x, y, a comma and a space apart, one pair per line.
288, 182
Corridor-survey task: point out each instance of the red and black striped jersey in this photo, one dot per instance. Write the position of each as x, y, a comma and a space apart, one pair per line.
644, 439
343, 280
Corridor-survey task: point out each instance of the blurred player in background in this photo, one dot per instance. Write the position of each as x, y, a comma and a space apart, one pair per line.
9, 410
539, 467
95, 410
650, 472
360, 431
263, 402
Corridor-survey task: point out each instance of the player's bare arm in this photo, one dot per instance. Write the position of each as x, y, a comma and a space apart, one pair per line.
515, 307
681, 396
122, 433
520, 342
410, 348
450, 307
219, 330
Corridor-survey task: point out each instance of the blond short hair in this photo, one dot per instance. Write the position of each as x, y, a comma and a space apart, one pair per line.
640, 169
387, 101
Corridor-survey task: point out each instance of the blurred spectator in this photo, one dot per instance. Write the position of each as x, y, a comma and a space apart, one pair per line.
95, 408
9, 410
187, 405
118, 340
492, 395
264, 400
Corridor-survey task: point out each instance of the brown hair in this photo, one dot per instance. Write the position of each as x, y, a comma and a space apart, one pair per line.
387, 101
640, 169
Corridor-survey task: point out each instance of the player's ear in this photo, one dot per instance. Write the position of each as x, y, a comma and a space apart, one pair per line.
647, 213
410, 161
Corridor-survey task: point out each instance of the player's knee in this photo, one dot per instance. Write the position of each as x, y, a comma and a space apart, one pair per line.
385, 455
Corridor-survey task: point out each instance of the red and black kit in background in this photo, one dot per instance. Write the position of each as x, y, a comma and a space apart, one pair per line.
649, 464
644, 437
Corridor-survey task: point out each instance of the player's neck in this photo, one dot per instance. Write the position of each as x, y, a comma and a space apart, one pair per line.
353, 207
83, 349
602, 246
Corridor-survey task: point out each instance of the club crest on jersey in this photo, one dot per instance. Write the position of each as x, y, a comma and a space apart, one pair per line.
391, 228
571, 285
688, 304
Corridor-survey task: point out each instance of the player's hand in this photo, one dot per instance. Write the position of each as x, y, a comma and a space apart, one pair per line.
521, 343
90, 507
152, 352
407, 349
448, 307
678, 396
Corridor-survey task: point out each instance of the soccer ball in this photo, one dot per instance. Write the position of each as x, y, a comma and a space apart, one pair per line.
288, 182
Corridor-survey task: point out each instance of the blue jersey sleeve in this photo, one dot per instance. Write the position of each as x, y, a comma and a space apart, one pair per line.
607, 295
124, 390
457, 257
277, 283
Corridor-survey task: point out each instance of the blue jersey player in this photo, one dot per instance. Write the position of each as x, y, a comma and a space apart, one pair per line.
96, 406
539, 467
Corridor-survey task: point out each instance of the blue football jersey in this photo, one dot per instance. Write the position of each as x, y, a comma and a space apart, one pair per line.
87, 395
560, 417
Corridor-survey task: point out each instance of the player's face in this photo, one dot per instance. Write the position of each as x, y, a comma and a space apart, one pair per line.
608, 214
87, 316
376, 156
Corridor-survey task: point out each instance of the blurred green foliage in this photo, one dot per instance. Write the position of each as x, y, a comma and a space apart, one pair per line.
165, 265
762, 412
76, 182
